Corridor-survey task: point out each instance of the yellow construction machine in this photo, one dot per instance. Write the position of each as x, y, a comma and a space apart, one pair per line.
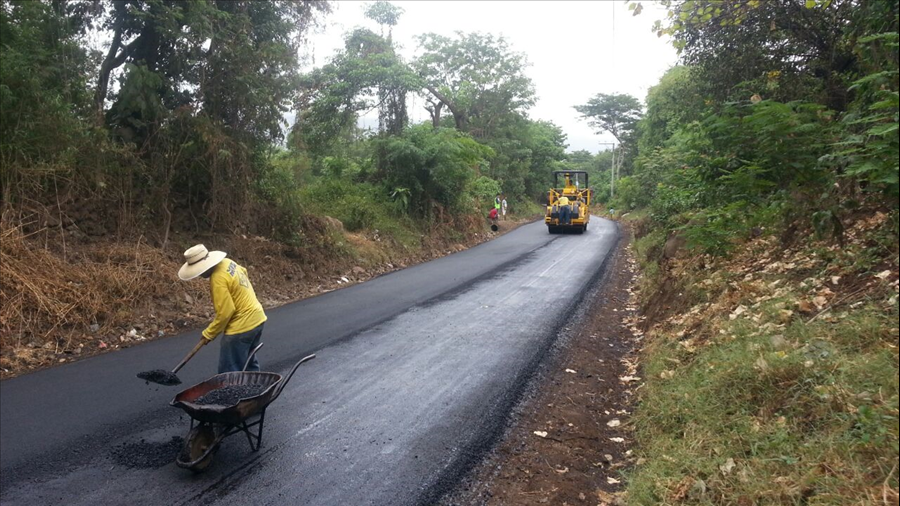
568, 206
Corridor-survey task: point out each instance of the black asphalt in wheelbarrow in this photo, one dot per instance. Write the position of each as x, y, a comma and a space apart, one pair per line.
211, 423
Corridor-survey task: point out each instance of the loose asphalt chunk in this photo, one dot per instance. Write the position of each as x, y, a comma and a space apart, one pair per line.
159, 376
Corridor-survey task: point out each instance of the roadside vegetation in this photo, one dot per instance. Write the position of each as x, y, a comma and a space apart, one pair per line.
761, 181
134, 129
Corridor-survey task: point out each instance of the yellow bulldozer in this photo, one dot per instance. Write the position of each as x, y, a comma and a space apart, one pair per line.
568, 205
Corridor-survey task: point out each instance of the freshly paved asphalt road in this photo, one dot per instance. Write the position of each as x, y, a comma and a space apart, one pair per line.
416, 371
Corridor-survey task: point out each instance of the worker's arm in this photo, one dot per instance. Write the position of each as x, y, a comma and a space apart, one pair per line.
224, 307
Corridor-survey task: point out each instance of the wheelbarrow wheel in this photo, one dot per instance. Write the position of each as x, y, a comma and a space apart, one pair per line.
199, 448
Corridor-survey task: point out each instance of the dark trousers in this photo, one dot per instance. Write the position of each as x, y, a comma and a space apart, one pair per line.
564, 214
236, 348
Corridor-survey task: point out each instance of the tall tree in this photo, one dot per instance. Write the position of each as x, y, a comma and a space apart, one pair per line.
476, 76
331, 96
392, 113
385, 14
615, 113
250, 70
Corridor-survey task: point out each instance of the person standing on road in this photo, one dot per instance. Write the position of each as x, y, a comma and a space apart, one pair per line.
503, 207
238, 312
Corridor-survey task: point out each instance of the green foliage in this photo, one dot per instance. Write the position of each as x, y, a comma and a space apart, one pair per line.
203, 89
783, 120
336, 166
526, 154
870, 142
484, 189
780, 50
384, 13
671, 104
44, 71
138, 111
332, 96
361, 214
735, 166
278, 185
435, 165
629, 194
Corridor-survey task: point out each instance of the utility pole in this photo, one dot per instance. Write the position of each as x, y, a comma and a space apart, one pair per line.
612, 169
612, 174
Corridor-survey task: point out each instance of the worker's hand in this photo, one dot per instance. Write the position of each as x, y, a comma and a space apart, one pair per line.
205, 341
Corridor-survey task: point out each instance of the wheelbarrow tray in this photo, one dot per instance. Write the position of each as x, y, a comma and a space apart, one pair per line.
235, 413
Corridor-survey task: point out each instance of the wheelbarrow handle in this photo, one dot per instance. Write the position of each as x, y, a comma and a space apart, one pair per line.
189, 356
287, 378
250, 357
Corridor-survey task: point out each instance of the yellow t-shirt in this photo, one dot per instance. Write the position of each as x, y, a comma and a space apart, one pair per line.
563, 201
237, 309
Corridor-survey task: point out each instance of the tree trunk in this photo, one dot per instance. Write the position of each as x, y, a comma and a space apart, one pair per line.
459, 116
113, 59
435, 112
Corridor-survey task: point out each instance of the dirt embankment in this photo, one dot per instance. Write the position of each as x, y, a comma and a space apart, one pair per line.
66, 294
571, 440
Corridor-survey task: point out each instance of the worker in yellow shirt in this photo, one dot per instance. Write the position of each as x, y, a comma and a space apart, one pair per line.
238, 313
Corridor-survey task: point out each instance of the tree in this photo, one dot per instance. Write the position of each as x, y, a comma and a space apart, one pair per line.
215, 55
159, 35
385, 14
330, 97
393, 116
44, 70
250, 71
616, 113
476, 76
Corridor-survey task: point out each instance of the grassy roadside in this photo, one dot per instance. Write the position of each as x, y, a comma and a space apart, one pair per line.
771, 375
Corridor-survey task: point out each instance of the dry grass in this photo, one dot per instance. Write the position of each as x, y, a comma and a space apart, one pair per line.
53, 291
49, 301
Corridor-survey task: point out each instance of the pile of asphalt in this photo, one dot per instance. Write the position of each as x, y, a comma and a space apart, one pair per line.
229, 395
159, 376
147, 455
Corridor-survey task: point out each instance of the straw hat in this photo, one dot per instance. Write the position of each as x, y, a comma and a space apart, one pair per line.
197, 260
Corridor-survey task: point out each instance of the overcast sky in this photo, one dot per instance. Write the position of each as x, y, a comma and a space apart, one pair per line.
576, 49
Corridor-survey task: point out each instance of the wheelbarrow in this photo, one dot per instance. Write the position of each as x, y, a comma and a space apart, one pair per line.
211, 423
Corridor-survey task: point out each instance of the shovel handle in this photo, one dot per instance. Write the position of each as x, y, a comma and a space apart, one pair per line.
189, 355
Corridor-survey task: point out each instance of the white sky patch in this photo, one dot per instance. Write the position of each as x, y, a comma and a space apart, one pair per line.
576, 50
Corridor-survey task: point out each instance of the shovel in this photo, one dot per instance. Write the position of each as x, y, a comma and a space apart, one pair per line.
167, 378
